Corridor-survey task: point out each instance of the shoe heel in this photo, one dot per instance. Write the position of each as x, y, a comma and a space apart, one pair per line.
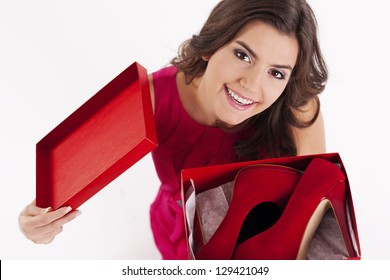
322, 186
336, 202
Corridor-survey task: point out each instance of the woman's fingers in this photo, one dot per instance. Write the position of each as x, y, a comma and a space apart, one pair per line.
41, 225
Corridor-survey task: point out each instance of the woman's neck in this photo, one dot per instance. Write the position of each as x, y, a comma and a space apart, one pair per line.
190, 101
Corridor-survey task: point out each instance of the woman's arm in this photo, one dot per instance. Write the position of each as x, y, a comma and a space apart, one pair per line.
310, 140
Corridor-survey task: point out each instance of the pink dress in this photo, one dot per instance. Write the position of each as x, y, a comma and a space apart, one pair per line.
183, 143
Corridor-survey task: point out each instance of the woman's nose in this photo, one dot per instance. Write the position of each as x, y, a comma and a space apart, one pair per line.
253, 82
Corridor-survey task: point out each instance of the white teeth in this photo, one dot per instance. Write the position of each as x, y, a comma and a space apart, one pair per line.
239, 100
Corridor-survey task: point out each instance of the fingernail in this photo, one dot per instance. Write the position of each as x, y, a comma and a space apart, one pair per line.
68, 209
47, 210
78, 213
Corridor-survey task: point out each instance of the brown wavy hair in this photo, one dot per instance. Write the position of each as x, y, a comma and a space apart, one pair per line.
271, 134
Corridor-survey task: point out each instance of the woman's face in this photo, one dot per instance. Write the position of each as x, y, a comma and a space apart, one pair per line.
247, 75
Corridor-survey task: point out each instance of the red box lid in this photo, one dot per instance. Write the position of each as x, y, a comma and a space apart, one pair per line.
104, 137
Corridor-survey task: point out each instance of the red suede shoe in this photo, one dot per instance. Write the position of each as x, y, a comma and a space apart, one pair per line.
321, 187
257, 190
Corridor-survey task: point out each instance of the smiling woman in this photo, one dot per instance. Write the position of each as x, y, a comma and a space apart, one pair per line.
288, 46
245, 87
258, 63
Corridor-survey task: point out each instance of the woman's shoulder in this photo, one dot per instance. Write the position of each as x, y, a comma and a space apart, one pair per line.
160, 81
166, 101
163, 85
164, 74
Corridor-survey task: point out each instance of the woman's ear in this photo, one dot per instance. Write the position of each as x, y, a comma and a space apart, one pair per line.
206, 57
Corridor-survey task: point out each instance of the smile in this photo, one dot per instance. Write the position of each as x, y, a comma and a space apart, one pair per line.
239, 100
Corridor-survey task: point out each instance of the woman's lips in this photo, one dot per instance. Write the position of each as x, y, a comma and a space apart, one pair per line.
238, 101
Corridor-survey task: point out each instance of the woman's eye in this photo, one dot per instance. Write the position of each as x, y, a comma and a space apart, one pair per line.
277, 74
242, 56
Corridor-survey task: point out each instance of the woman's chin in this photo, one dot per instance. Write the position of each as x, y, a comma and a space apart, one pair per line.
228, 127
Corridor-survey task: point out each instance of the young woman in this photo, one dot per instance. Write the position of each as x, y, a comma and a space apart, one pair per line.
245, 87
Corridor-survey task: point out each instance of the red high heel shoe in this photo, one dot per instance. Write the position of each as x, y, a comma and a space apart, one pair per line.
322, 187
254, 186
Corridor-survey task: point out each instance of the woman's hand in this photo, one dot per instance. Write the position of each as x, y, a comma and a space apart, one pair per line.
41, 225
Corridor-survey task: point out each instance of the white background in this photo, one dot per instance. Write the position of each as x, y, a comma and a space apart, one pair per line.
54, 55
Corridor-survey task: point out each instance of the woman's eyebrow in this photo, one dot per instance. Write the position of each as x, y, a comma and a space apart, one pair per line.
282, 66
252, 53
245, 46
